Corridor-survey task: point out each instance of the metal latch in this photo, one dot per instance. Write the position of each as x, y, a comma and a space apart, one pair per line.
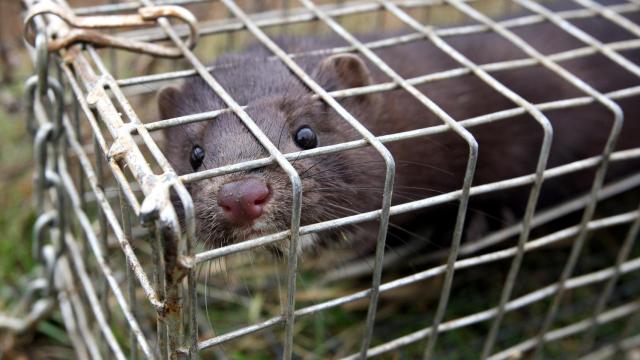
82, 28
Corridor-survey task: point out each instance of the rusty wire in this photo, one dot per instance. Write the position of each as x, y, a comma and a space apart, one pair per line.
81, 28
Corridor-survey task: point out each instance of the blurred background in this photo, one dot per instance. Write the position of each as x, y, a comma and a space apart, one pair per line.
16, 210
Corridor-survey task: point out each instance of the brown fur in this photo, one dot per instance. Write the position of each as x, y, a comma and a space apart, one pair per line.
351, 182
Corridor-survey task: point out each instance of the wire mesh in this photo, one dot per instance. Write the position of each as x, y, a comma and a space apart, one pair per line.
122, 251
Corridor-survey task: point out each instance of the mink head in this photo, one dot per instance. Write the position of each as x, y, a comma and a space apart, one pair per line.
235, 207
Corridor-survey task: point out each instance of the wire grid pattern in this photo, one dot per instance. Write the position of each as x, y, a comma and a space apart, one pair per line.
100, 98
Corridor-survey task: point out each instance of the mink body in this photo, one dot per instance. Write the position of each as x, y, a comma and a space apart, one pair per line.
351, 182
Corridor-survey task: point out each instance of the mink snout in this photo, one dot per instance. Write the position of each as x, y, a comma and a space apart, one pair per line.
243, 201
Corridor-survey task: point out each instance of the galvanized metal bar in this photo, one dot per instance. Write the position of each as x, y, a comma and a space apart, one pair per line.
582, 35
102, 229
75, 316
90, 292
80, 181
99, 99
134, 124
541, 217
609, 351
91, 176
629, 326
386, 155
468, 123
102, 321
128, 6
546, 292
117, 173
301, 15
623, 254
361, 267
296, 184
276, 19
70, 324
190, 233
101, 260
160, 286
611, 15
388, 160
618, 118
139, 168
468, 178
396, 40
541, 165
48, 147
589, 337
157, 204
415, 205
575, 328
558, 334
374, 88
129, 275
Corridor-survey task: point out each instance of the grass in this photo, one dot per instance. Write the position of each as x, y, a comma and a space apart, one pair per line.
16, 210
16, 169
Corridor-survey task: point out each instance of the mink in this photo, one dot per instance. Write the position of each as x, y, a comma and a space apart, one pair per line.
244, 205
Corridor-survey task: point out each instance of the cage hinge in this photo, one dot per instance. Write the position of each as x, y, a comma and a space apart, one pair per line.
82, 29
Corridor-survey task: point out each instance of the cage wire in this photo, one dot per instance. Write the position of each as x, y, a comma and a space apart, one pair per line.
130, 279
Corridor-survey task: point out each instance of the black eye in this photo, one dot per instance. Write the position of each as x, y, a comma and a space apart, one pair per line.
306, 138
197, 156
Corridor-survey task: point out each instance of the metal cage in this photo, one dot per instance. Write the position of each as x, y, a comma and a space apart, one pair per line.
118, 261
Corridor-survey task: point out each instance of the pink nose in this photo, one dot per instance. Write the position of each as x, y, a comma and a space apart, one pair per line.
243, 201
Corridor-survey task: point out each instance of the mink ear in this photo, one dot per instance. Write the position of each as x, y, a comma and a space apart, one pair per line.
342, 71
167, 100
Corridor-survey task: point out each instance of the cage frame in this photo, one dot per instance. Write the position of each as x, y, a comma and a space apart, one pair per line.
175, 242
